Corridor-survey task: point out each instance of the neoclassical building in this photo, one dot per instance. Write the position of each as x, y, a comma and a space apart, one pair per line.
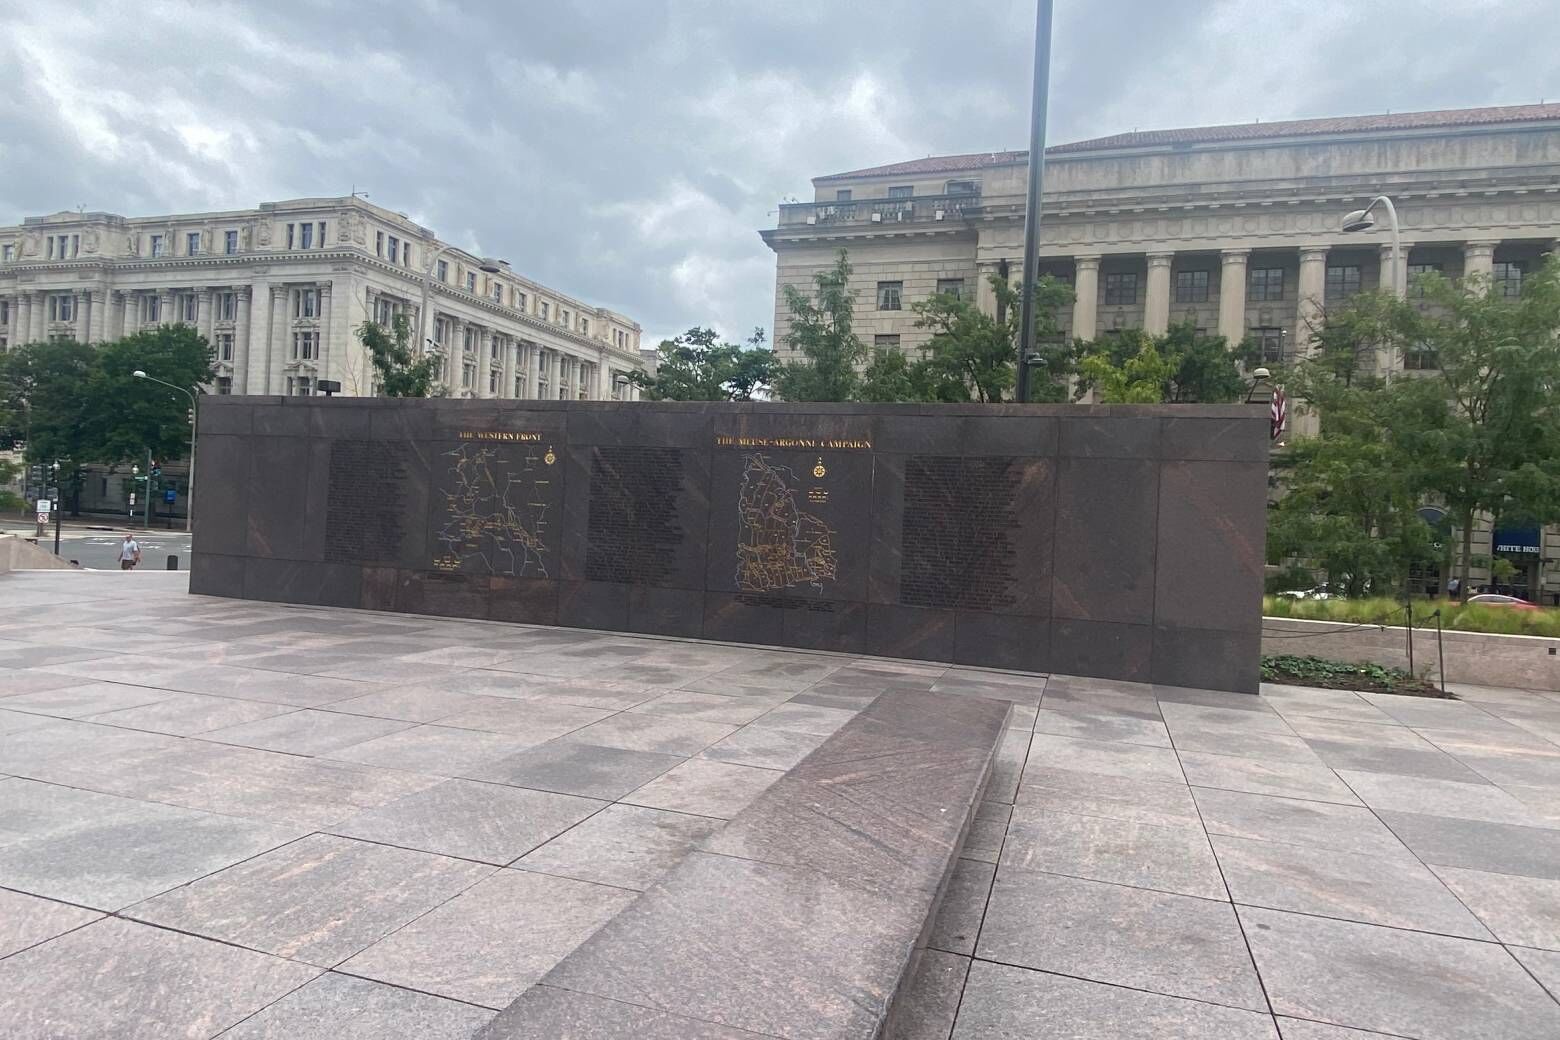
279, 291
1236, 229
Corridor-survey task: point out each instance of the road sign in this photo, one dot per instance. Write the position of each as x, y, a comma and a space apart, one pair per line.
170, 496
43, 510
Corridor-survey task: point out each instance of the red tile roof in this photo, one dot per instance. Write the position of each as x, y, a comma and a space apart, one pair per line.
1216, 134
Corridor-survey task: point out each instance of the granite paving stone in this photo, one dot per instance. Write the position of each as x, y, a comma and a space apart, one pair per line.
705, 788
1133, 761
1433, 764
319, 900
709, 707
415, 703
931, 1001
16, 721
28, 920
74, 702
1393, 890
1285, 779
988, 830
434, 749
627, 846
1094, 726
118, 980
1171, 944
340, 1007
536, 721
1007, 766
1168, 859
255, 684
1500, 848
187, 714
1249, 715
306, 732
1516, 769
1296, 821
958, 918
652, 733
767, 747
1392, 981
494, 940
1521, 911
568, 767
491, 823
1005, 1001
1266, 747
806, 718
1299, 1029
1430, 713
108, 852
1544, 965
1391, 735
1159, 802
20, 680
545, 1013
1415, 794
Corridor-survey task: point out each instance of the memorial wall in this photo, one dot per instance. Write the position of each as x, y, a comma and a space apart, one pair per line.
1123, 542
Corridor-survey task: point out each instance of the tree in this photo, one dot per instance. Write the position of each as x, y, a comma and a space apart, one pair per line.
128, 417
697, 366
821, 331
891, 376
46, 384
1140, 378
1190, 367
972, 355
398, 372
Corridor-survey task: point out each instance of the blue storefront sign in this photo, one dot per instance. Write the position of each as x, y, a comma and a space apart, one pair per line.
170, 496
1522, 541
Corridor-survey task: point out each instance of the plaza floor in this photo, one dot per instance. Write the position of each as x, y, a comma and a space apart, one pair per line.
242, 820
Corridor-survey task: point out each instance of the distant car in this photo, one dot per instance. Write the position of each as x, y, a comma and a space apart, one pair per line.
1493, 599
1320, 592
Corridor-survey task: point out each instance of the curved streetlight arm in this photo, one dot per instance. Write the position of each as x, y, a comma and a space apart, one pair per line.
189, 505
1399, 289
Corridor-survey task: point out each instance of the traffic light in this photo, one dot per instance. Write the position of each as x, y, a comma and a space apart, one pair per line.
155, 472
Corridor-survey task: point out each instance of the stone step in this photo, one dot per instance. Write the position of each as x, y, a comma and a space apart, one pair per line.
803, 917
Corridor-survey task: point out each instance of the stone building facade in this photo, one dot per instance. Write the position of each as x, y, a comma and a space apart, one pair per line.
1236, 229
279, 291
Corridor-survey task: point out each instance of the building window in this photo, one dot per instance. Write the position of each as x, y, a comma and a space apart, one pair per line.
519, 301
493, 382
394, 253
306, 303
961, 188
584, 326
230, 242
543, 311
498, 293
563, 317
889, 295
468, 376
384, 312
1191, 287
151, 309
1416, 272
62, 308
1121, 289
1343, 281
1265, 283
157, 245
8, 252
291, 234
1271, 339
1420, 359
5, 312
1506, 278
470, 343
304, 343
379, 243
224, 385
901, 191
950, 287
299, 386
885, 342
842, 195
188, 308
406, 254
444, 271
227, 306
64, 247
224, 346
192, 244
471, 281
322, 234
520, 385
306, 236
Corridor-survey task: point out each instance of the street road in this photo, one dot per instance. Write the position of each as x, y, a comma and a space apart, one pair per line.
100, 549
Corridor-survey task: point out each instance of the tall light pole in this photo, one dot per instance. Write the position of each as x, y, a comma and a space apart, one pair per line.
1360, 220
487, 265
189, 506
1037, 108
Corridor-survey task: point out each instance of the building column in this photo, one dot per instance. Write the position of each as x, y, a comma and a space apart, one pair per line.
484, 362
1313, 284
203, 312
241, 345
1479, 259
265, 361
1156, 305
1232, 295
83, 322
322, 349
454, 353
98, 316
127, 315
21, 318
511, 347
1086, 286
533, 371
40, 317
1385, 276
165, 315
603, 379
985, 295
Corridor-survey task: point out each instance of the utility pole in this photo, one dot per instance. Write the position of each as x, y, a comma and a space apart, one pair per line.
1037, 109
147, 523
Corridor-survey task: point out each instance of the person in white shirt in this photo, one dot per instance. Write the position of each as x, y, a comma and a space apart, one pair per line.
129, 553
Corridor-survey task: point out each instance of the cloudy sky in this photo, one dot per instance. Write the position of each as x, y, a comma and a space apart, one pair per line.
627, 151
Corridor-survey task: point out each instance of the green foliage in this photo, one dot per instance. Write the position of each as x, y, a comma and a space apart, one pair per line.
890, 376
398, 372
821, 331
1381, 610
1140, 378
126, 416
9, 500
1179, 367
1346, 675
697, 366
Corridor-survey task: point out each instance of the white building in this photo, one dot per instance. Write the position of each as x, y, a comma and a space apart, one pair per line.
279, 291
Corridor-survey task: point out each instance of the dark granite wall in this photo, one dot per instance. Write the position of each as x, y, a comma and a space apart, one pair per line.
1116, 541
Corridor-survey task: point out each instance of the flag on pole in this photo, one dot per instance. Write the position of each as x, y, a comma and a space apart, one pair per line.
1278, 414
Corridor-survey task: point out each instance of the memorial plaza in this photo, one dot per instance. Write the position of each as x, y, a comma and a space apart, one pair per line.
225, 818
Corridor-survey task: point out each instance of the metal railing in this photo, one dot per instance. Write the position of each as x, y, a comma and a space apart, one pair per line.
914, 209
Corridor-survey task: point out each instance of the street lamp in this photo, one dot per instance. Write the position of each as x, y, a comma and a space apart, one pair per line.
1360, 220
486, 264
189, 505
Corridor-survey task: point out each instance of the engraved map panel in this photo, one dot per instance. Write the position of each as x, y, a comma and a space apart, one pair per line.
633, 531
495, 509
363, 501
957, 540
780, 544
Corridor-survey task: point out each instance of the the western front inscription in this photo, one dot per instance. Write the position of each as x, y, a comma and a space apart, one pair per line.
362, 504
779, 544
632, 531
955, 549
493, 510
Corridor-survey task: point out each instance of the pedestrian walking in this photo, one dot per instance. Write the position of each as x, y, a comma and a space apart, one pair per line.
129, 553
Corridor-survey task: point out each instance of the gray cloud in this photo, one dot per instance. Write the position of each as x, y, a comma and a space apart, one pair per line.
628, 151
